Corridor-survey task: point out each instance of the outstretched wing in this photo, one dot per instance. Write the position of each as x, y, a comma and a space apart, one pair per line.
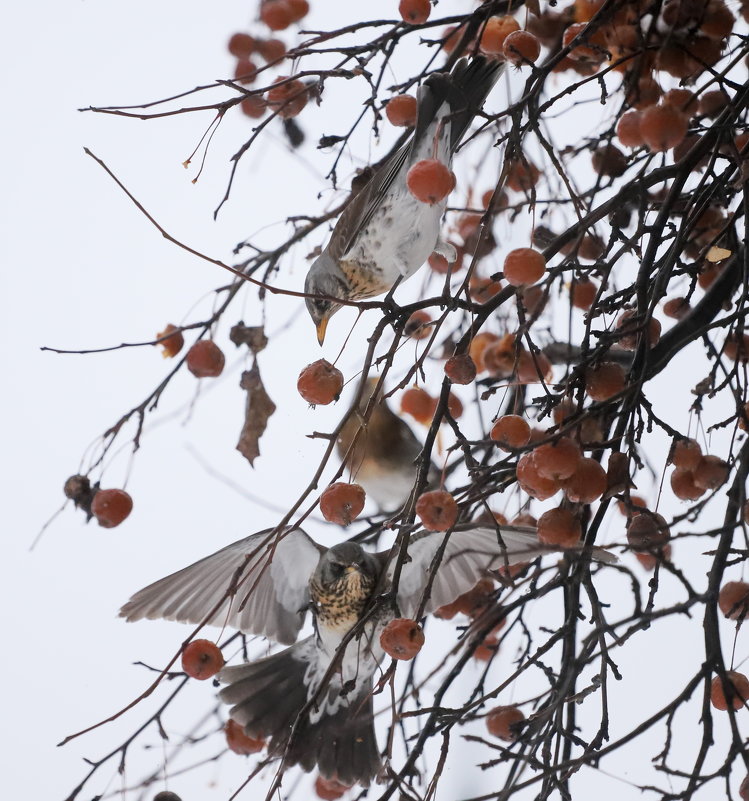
469, 554
258, 585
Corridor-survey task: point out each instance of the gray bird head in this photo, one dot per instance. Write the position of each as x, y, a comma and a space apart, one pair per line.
324, 278
341, 559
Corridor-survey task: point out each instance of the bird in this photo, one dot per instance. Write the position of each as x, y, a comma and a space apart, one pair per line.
383, 458
313, 701
385, 234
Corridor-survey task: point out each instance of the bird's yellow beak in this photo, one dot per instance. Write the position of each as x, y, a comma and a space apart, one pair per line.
322, 327
352, 569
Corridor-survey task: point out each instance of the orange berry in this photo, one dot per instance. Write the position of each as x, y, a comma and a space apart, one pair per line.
683, 486
320, 383
171, 341
604, 381
524, 266
460, 369
521, 48
634, 502
242, 45
245, 72
581, 52
402, 638
676, 308
559, 527
239, 742
557, 460
522, 177
430, 181
711, 473
329, 789
202, 659
496, 30
299, 9
647, 531
401, 111
487, 649
733, 600
533, 368
478, 346
505, 722
686, 453
454, 406
471, 603
287, 99
582, 293
205, 359
254, 106
682, 99
417, 326
111, 506
628, 129
276, 14
651, 559
591, 248
271, 49
663, 127
437, 510
587, 483
511, 431
630, 327
482, 289
415, 12
341, 503
419, 404
642, 94
735, 693
532, 482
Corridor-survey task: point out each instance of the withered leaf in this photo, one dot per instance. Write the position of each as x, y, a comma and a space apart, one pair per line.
258, 409
251, 335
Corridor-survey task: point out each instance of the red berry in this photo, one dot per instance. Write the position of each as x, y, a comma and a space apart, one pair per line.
663, 127
557, 460
683, 486
287, 99
582, 293
676, 308
504, 722
460, 369
271, 49
604, 381
320, 383
245, 72
511, 431
733, 600
171, 341
299, 9
202, 659
205, 359
341, 503
521, 48
559, 527
329, 789
419, 404
587, 483
524, 266
628, 129
401, 111
581, 52
254, 106
496, 30
242, 45
402, 638
686, 453
647, 531
711, 472
417, 326
531, 482
430, 181
437, 510
111, 506
276, 14
239, 742
415, 12
736, 694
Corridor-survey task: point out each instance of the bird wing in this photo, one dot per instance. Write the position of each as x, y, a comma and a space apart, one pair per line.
268, 577
469, 554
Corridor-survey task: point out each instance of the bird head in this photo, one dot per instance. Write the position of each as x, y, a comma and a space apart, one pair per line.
343, 561
326, 281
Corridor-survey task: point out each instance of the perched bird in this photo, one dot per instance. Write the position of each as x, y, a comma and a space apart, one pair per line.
384, 458
385, 233
264, 584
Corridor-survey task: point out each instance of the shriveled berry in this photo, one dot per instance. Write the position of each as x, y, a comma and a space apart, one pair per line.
111, 506
254, 106
733, 600
609, 160
341, 502
582, 293
287, 98
320, 383
647, 531
271, 49
239, 742
205, 359
202, 659
631, 327
430, 181
437, 510
170, 340
505, 722
402, 638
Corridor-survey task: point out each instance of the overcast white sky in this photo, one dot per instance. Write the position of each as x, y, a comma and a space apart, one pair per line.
83, 269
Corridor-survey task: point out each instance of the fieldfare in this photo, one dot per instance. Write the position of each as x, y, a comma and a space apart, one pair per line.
384, 458
385, 234
264, 584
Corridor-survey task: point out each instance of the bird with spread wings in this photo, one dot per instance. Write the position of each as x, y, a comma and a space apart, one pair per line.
312, 701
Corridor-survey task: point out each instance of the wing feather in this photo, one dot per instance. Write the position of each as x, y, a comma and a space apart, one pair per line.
270, 596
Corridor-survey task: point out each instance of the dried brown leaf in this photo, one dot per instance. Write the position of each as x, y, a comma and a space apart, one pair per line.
258, 409
251, 335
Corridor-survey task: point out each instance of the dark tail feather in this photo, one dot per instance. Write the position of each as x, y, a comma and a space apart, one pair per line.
465, 88
268, 696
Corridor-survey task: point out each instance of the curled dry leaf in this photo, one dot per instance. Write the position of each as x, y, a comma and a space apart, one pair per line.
251, 335
716, 254
258, 409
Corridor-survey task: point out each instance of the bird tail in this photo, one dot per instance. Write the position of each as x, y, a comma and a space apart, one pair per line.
268, 697
465, 89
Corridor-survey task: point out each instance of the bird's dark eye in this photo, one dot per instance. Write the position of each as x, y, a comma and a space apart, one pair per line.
337, 568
